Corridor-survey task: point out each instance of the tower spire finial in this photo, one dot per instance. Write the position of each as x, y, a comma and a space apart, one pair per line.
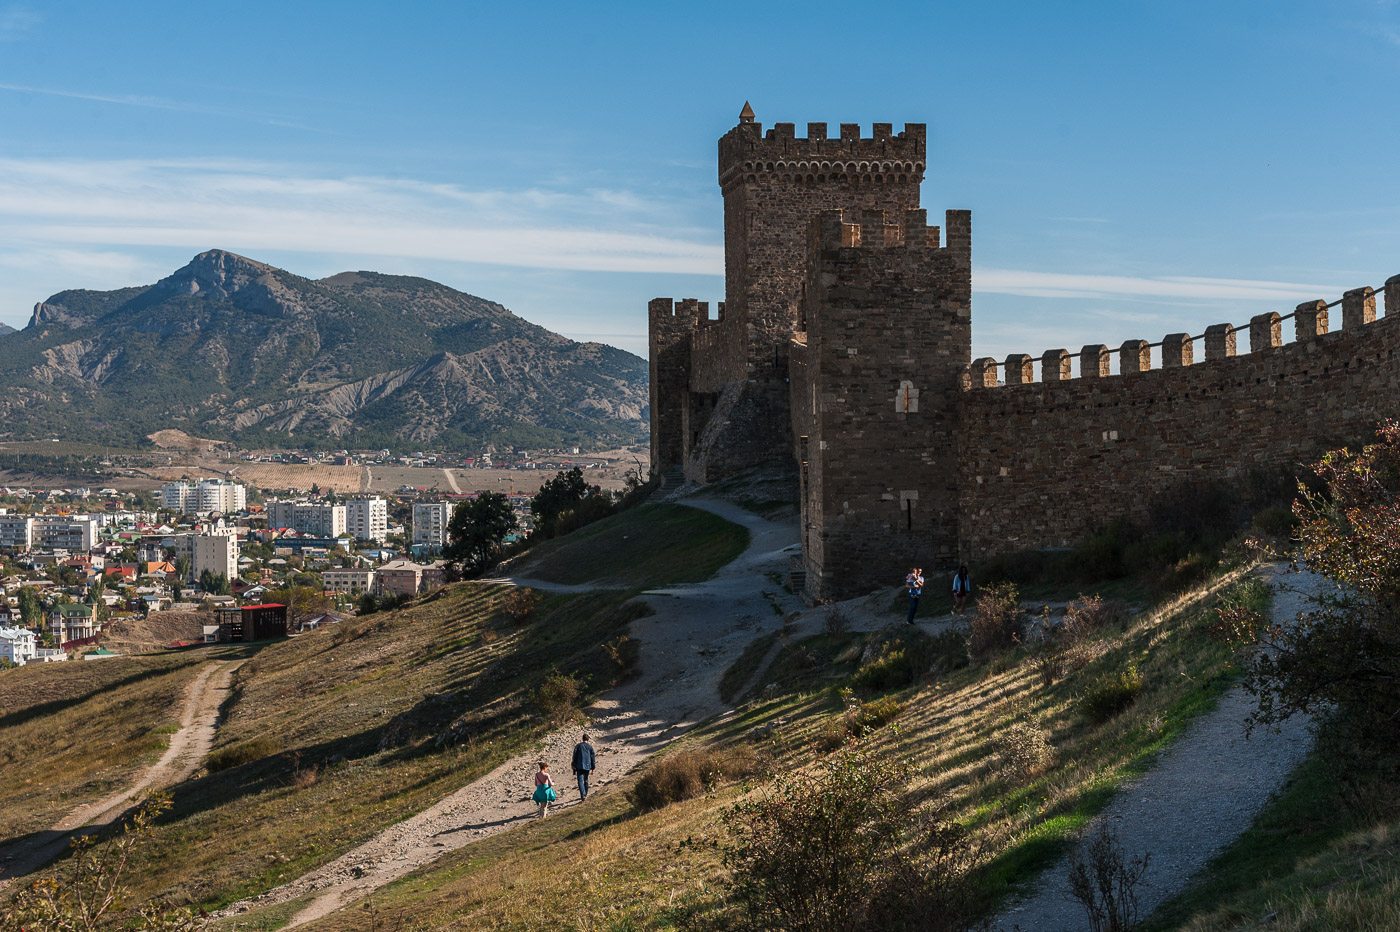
746, 115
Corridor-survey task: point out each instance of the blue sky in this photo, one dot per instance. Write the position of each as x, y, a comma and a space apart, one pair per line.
1133, 169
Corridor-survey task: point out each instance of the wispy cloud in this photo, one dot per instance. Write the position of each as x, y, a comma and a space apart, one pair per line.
1071, 285
256, 206
17, 20
128, 100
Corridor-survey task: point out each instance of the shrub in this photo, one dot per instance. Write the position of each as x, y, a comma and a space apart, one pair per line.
1088, 615
556, 696
1111, 694
1104, 883
856, 719
1342, 658
519, 605
1023, 751
836, 621
878, 712
892, 669
686, 774
244, 753
995, 620
842, 851
1277, 521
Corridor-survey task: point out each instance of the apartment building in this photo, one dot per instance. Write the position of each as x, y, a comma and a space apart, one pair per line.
222, 495
367, 519
430, 524
315, 518
61, 532
352, 579
216, 552
16, 532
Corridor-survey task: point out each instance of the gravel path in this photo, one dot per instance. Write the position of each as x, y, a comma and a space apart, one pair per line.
696, 632
1203, 793
182, 757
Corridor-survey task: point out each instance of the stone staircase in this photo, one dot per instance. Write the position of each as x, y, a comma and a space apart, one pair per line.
672, 478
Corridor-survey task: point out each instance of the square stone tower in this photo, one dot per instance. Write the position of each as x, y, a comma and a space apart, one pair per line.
733, 411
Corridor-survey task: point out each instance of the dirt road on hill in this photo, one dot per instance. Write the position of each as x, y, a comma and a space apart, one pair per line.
182, 757
696, 632
1202, 794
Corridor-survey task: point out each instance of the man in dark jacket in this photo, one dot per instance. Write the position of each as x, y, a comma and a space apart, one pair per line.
583, 765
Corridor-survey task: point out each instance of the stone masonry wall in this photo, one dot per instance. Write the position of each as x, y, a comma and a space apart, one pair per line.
874, 393
1044, 463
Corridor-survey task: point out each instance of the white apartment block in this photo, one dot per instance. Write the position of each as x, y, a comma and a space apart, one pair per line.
221, 495
16, 532
313, 518
58, 532
353, 579
367, 519
430, 524
217, 553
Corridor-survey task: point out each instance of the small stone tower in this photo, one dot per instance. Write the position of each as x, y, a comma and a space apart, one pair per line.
876, 380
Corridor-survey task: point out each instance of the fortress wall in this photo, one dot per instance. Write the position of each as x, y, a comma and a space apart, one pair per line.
876, 387
669, 329
1041, 464
717, 354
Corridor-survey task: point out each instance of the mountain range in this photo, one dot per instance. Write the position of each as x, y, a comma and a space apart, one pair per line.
233, 349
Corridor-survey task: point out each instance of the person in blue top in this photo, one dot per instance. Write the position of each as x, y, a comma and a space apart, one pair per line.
584, 764
914, 582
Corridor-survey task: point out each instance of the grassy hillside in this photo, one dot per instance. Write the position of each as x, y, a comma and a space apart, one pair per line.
643, 547
71, 732
962, 728
333, 735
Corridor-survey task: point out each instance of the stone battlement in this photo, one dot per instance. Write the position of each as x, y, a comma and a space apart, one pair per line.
746, 153
1177, 350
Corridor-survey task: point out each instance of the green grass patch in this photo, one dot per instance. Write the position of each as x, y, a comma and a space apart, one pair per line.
644, 547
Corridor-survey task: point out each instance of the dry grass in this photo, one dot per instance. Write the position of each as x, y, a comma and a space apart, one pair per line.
74, 731
305, 767
606, 867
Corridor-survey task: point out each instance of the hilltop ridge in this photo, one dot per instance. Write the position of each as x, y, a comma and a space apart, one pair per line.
244, 351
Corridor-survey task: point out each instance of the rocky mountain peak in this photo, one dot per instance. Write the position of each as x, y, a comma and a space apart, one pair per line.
215, 272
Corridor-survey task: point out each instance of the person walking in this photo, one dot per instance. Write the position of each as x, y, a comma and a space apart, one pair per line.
914, 582
583, 765
544, 789
961, 587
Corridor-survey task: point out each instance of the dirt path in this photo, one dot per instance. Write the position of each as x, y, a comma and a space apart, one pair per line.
452, 480
696, 632
366, 479
182, 757
1205, 791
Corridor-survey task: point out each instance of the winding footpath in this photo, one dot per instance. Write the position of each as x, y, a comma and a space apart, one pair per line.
696, 631
1202, 794
183, 756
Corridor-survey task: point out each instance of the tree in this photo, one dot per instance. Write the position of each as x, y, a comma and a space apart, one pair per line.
31, 610
182, 568
303, 603
476, 532
214, 583
557, 495
1342, 659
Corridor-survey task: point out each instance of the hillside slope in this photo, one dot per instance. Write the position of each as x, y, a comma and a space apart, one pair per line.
238, 350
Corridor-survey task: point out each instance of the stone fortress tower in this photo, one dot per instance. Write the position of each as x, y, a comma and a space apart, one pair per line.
844, 345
